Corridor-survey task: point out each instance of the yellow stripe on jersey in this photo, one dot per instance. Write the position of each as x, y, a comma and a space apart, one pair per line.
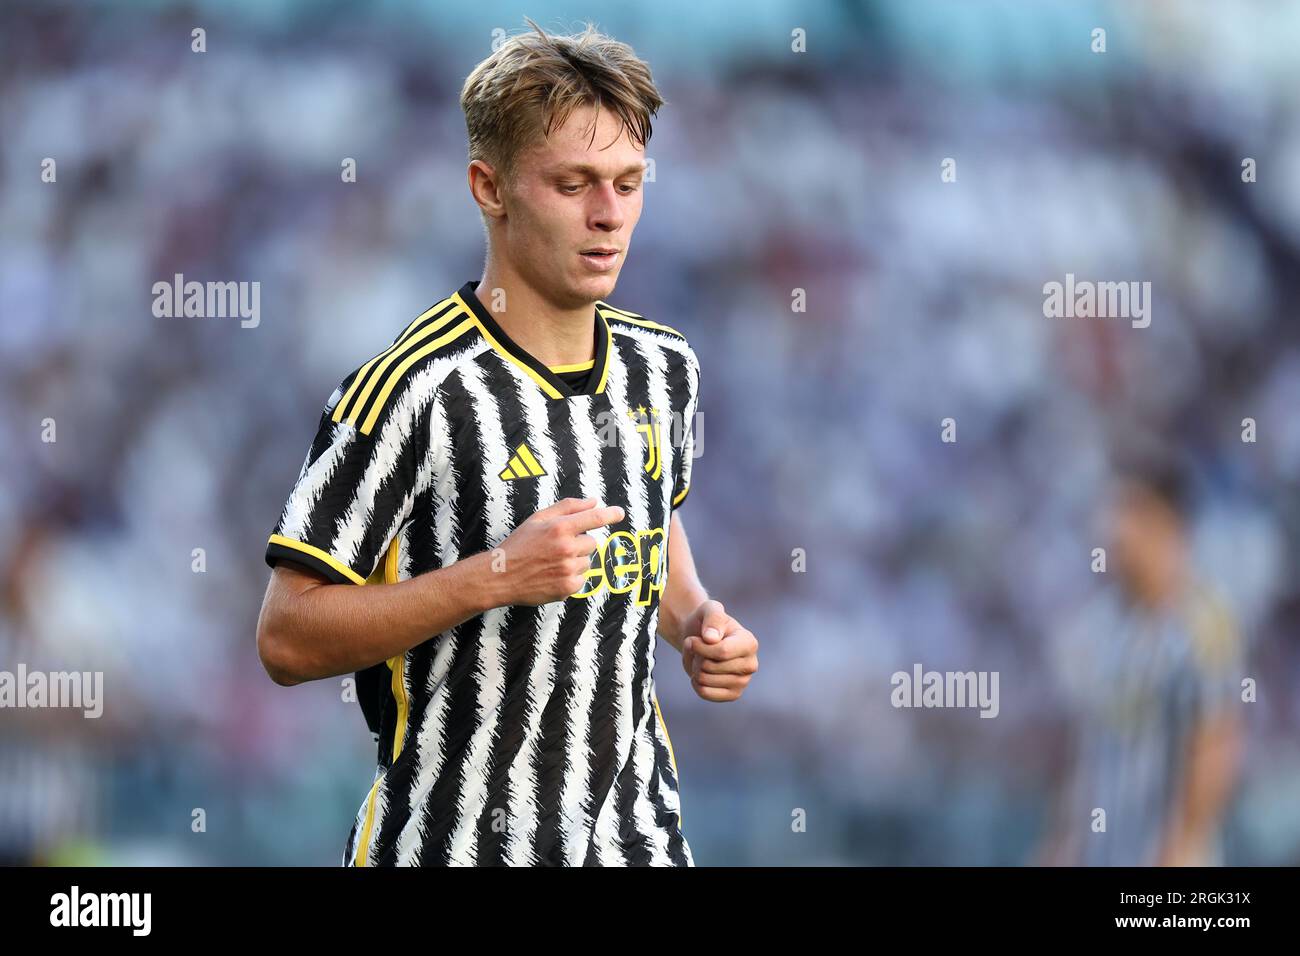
365, 369
380, 371
618, 315
319, 555
631, 315
678, 499
580, 366
396, 375
398, 663
398, 666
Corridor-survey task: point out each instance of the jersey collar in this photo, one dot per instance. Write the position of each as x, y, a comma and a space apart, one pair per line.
550, 383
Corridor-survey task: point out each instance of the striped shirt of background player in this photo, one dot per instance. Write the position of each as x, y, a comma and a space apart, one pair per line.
1142, 686
473, 387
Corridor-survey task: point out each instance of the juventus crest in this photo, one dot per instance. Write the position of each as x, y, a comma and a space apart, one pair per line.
651, 428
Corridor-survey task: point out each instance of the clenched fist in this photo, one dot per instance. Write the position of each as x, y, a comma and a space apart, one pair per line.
719, 655
547, 557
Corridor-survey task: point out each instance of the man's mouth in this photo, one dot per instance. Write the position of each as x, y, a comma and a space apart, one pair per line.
601, 259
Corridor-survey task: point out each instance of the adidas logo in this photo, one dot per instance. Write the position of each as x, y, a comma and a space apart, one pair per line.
522, 465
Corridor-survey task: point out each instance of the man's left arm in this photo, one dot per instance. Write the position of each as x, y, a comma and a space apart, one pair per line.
718, 654
1213, 760
1214, 746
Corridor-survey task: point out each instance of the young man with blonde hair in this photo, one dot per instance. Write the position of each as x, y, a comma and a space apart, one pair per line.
505, 479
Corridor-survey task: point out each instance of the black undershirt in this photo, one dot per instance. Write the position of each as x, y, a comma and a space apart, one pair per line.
575, 380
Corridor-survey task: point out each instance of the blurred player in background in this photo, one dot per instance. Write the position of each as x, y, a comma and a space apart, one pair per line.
1151, 667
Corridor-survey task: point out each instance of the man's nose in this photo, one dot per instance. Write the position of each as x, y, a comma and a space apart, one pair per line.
606, 211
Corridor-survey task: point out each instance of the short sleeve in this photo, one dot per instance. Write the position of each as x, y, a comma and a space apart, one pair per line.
1216, 655
353, 494
682, 480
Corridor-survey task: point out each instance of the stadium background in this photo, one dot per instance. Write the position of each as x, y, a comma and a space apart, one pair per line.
774, 170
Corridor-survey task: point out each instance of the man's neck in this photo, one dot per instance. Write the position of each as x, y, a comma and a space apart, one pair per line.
551, 335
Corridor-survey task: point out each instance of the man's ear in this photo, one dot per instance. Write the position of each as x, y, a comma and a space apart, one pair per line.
485, 187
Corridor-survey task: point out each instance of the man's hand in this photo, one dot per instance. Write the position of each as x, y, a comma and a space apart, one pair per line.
719, 655
547, 557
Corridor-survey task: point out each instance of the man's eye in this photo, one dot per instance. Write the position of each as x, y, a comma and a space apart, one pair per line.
631, 187
569, 188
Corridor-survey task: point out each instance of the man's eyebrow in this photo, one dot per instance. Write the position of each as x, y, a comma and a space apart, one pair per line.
589, 170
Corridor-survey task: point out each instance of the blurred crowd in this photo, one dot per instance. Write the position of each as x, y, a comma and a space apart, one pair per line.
827, 511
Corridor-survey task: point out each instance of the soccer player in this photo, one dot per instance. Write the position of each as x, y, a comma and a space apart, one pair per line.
505, 481
1152, 668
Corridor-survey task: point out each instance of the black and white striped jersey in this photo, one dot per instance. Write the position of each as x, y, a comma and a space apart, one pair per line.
526, 735
1140, 683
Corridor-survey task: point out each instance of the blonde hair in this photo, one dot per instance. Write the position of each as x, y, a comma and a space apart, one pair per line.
533, 82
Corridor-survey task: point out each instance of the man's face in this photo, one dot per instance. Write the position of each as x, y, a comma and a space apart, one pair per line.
571, 207
1144, 533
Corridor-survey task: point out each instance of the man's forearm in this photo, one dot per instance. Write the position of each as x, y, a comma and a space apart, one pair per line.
1208, 781
683, 593
310, 630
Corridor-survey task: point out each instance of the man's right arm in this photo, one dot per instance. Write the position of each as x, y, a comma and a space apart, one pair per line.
310, 628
